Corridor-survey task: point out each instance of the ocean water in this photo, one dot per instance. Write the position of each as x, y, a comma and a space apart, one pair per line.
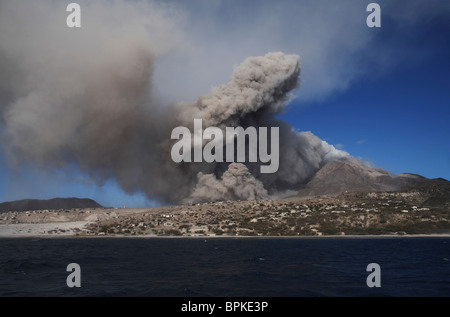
225, 267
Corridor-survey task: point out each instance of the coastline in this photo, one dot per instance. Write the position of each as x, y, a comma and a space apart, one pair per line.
369, 215
70, 234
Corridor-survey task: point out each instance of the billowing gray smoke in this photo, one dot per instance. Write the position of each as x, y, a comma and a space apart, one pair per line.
86, 97
256, 92
235, 183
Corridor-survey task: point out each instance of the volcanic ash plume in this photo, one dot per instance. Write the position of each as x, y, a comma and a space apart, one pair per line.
86, 98
256, 92
236, 183
259, 84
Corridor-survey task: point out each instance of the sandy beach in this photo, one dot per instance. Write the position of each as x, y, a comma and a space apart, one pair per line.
78, 229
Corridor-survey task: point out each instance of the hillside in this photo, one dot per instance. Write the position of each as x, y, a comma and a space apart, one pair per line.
351, 175
424, 209
49, 204
343, 198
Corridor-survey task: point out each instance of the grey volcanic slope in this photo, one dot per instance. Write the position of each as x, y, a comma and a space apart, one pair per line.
50, 204
351, 175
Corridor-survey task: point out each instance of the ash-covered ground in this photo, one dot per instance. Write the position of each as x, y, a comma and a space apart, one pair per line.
420, 210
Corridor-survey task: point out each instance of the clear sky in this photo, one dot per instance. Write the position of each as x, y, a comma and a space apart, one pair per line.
381, 94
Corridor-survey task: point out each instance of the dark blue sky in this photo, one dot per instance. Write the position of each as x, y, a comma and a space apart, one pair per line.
380, 94
399, 118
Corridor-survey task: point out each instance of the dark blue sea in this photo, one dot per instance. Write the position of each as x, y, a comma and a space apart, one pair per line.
225, 267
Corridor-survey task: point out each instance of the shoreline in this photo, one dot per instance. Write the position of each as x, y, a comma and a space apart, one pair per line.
362, 236
76, 230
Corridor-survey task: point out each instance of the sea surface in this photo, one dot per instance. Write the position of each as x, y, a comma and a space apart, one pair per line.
225, 267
